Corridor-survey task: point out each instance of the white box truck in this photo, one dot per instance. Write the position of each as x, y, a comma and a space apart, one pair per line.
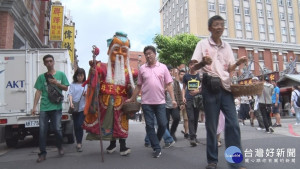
19, 70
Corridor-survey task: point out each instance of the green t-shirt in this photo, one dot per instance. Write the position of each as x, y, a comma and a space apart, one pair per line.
41, 85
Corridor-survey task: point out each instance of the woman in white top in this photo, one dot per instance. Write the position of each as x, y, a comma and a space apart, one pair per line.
77, 94
295, 94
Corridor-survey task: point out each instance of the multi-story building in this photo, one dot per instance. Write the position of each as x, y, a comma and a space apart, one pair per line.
24, 24
267, 31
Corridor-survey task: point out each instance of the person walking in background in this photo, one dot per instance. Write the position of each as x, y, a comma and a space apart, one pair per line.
221, 126
215, 58
265, 103
257, 112
77, 94
153, 77
244, 109
276, 104
295, 107
191, 83
185, 132
174, 112
49, 110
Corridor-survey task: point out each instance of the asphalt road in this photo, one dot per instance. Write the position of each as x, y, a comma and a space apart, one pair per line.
284, 143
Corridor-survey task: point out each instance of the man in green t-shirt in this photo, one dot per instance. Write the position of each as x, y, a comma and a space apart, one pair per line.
48, 110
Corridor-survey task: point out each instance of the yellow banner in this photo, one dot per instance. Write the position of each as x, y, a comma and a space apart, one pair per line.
68, 40
56, 23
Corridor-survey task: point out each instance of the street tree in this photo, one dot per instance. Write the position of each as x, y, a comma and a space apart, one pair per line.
176, 50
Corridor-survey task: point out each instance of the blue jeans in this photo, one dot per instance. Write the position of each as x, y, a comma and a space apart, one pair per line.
78, 121
152, 112
167, 138
297, 112
55, 118
213, 103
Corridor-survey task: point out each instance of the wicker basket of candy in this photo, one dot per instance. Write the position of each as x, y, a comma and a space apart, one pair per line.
247, 89
131, 107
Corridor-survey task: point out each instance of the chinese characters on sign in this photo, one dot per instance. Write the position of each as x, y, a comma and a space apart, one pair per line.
272, 76
270, 155
56, 24
68, 40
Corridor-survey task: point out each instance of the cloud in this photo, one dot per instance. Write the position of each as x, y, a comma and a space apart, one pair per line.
98, 20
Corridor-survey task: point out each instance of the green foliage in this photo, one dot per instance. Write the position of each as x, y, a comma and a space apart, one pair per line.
176, 50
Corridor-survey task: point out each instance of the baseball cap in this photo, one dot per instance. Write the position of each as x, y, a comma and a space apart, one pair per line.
254, 78
267, 78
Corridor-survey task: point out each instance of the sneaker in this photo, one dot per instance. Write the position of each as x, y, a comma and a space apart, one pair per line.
156, 154
271, 129
211, 166
268, 132
168, 145
61, 152
42, 157
197, 141
79, 148
193, 142
276, 125
258, 128
125, 152
110, 149
186, 135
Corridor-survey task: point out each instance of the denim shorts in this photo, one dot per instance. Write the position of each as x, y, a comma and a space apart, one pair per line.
275, 109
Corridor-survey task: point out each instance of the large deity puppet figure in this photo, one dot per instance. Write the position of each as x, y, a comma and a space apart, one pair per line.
114, 81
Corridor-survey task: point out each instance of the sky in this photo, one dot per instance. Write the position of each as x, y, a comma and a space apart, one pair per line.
98, 20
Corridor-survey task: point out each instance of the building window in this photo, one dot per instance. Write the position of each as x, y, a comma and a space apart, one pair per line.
283, 31
260, 13
281, 16
271, 29
186, 5
260, 55
262, 28
258, 0
275, 57
292, 31
181, 9
297, 57
247, 11
238, 25
170, 9
269, 13
182, 24
186, 20
289, 3
235, 54
268, 1
280, 2
222, 8
284, 58
211, 6
248, 26
291, 17
237, 10
250, 55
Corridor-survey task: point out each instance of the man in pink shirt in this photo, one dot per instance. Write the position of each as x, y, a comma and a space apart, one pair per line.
216, 60
152, 79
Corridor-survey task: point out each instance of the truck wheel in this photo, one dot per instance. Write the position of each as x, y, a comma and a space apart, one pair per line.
70, 138
12, 142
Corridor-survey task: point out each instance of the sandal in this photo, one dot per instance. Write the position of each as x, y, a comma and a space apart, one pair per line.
219, 144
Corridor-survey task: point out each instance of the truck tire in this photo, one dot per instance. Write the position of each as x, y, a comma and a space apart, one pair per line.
12, 142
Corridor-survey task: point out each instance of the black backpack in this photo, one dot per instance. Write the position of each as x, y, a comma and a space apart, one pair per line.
298, 99
54, 94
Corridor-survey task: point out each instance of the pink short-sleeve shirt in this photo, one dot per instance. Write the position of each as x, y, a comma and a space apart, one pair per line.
222, 58
153, 81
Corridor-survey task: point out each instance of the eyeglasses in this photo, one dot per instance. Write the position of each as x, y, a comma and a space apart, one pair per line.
48, 61
149, 54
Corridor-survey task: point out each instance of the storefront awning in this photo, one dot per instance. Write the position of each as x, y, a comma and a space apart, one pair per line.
289, 80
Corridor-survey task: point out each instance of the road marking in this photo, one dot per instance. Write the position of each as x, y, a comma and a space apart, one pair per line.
291, 130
